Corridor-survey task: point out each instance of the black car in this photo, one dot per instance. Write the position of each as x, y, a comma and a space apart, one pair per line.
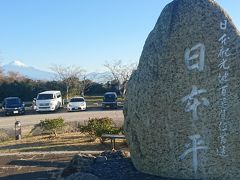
110, 100
12, 106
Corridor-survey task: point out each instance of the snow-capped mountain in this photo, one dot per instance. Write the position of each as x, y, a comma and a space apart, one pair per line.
18, 63
37, 74
28, 71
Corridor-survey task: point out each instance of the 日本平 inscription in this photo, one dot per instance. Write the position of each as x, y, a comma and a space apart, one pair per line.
194, 59
223, 80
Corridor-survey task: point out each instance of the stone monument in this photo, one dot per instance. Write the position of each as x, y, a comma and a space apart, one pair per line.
182, 110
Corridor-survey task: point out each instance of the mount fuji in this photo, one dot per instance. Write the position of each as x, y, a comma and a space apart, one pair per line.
37, 74
28, 71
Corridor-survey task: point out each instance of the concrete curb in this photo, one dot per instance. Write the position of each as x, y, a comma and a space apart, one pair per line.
50, 152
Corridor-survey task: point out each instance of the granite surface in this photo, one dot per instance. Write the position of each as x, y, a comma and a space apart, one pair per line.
182, 103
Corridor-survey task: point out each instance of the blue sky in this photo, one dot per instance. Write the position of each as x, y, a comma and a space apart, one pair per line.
77, 32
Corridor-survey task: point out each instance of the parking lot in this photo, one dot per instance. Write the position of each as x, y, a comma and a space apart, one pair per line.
32, 117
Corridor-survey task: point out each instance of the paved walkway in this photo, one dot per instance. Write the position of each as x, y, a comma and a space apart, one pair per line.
35, 165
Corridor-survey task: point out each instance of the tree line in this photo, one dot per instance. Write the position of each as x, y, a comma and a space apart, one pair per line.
70, 80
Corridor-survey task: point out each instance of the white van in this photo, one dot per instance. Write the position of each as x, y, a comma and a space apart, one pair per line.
49, 101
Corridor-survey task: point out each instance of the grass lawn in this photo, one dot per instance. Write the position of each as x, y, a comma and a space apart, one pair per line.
63, 142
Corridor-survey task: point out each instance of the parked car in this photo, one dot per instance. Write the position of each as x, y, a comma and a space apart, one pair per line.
13, 105
76, 104
48, 101
109, 100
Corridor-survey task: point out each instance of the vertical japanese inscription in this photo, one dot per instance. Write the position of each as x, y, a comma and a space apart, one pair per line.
223, 79
194, 59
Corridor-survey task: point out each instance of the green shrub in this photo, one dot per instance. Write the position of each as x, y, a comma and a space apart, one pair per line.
98, 126
50, 126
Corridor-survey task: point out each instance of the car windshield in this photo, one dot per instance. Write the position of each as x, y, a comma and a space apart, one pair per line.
77, 100
14, 101
109, 97
44, 96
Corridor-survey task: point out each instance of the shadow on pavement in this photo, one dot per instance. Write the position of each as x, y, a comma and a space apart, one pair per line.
31, 176
37, 163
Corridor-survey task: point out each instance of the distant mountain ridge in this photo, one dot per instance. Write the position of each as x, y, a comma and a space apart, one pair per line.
37, 74
28, 71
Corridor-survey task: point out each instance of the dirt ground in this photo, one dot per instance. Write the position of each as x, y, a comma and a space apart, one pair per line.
63, 142
33, 157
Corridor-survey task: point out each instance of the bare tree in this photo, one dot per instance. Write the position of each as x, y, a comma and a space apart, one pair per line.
121, 73
85, 84
1, 74
15, 76
70, 75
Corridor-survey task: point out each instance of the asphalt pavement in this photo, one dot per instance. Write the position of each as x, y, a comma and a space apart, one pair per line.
31, 117
33, 166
